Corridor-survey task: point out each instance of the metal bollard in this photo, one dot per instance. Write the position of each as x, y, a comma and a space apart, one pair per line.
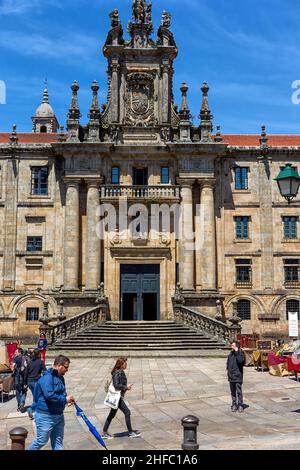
190, 424
18, 437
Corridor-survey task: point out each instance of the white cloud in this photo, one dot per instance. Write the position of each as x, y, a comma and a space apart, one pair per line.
17, 7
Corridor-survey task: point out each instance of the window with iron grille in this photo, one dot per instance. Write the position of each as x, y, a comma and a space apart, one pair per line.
115, 175
32, 314
39, 180
241, 178
292, 305
290, 228
165, 175
242, 228
291, 272
34, 244
244, 309
243, 273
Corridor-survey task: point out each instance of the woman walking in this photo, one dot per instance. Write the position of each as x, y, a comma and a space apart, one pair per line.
119, 380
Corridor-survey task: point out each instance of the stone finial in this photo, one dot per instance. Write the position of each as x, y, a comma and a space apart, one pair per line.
179, 297
184, 112
74, 112
61, 316
94, 113
101, 294
218, 137
14, 140
62, 137
205, 116
263, 139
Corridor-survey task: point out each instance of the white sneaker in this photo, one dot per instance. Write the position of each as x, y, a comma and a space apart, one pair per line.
134, 434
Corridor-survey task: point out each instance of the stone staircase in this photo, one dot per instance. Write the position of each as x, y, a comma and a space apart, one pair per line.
139, 336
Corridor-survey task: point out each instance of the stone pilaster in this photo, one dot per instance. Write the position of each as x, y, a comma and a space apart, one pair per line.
165, 70
207, 245
10, 227
115, 92
93, 248
187, 245
71, 246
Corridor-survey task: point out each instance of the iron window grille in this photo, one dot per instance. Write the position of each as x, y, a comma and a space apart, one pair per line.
34, 244
242, 227
243, 273
39, 181
291, 273
32, 314
241, 178
244, 309
292, 305
290, 228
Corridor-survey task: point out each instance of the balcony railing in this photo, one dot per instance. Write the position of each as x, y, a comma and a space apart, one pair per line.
292, 284
166, 192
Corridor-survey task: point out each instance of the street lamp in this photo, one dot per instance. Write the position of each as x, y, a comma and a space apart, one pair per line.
288, 182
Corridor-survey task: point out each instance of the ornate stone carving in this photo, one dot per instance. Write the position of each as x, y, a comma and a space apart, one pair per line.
166, 134
115, 35
164, 240
164, 35
141, 25
139, 100
200, 165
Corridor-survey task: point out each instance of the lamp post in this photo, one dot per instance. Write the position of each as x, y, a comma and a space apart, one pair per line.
288, 182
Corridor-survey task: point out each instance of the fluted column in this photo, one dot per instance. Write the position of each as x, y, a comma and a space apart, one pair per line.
93, 243
208, 236
71, 246
187, 245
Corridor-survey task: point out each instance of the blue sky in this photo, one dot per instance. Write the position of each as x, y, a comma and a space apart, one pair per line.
248, 51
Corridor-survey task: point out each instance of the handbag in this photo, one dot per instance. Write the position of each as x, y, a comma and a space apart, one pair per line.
112, 398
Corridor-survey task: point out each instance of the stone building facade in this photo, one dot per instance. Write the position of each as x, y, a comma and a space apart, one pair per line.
223, 230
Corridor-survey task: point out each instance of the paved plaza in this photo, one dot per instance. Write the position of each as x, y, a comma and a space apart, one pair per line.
167, 389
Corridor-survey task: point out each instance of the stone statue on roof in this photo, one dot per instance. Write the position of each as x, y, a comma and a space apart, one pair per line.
141, 12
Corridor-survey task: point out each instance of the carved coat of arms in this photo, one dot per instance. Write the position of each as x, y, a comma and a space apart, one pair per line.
139, 99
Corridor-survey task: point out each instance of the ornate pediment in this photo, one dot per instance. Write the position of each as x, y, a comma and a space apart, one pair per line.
139, 100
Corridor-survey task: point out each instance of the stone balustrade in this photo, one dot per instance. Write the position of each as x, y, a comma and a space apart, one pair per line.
205, 324
165, 192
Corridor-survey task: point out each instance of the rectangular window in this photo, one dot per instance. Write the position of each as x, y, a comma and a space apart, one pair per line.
115, 175
32, 314
140, 176
241, 178
39, 180
165, 175
34, 244
242, 227
243, 273
291, 273
290, 228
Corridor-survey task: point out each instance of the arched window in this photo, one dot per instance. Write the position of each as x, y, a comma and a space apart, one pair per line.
292, 305
43, 129
244, 309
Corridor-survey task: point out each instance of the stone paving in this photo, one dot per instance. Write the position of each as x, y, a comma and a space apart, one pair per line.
167, 389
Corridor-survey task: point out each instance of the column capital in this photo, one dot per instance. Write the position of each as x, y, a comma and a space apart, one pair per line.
207, 183
94, 182
185, 182
69, 182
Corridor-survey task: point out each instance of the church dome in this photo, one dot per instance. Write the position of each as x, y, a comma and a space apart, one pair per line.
45, 110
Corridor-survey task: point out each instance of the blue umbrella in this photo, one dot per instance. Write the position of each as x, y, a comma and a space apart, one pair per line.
91, 427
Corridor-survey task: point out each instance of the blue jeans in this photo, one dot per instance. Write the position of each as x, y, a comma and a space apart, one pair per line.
31, 386
21, 397
48, 426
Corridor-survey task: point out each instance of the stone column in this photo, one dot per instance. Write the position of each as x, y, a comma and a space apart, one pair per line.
207, 245
93, 243
71, 245
187, 245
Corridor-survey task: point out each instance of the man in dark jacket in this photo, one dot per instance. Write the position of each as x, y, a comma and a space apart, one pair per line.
50, 399
33, 372
235, 364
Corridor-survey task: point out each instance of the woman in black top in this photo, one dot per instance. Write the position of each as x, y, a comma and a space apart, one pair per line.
119, 380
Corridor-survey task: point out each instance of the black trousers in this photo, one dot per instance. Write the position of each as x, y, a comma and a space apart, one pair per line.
124, 408
236, 393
